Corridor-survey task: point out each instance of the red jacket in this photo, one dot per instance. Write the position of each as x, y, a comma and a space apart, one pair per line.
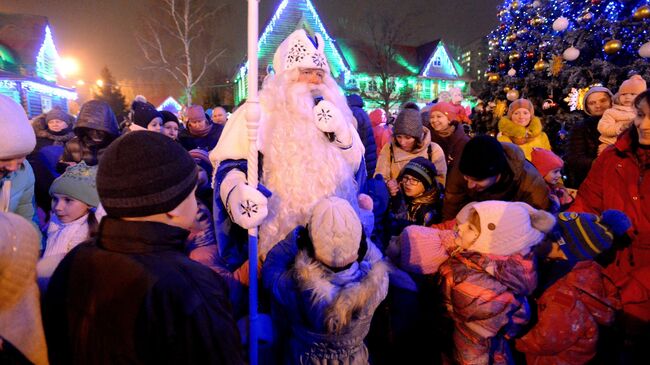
617, 181
569, 313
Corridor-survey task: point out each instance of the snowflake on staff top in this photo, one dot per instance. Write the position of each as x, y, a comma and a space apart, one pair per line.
319, 60
324, 116
296, 54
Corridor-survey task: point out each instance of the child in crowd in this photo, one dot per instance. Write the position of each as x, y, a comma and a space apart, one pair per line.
487, 277
619, 117
410, 140
144, 116
574, 296
170, 124
327, 280
74, 200
419, 200
521, 127
550, 167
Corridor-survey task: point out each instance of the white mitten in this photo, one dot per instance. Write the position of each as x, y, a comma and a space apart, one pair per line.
247, 206
329, 119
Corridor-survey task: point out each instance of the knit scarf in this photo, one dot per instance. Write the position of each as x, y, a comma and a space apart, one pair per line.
200, 133
428, 198
447, 131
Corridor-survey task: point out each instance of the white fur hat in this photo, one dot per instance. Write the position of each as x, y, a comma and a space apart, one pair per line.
335, 232
507, 227
300, 50
18, 138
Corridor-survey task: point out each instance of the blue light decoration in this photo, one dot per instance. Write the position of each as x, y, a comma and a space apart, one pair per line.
170, 104
441, 61
48, 90
47, 59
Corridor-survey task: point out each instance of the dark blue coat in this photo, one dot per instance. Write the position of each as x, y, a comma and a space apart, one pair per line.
364, 128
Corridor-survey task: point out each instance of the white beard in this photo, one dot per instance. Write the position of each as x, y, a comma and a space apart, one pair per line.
300, 165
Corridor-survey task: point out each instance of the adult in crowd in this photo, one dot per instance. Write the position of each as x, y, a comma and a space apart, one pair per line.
53, 129
219, 115
490, 170
96, 128
131, 295
21, 330
380, 129
16, 174
445, 131
309, 152
199, 132
616, 181
582, 147
521, 127
364, 128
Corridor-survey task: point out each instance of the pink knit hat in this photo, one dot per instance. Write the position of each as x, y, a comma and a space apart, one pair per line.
447, 109
545, 161
422, 249
634, 85
521, 104
377, 117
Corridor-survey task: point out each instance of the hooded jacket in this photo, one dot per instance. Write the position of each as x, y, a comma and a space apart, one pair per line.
392, 158
364, 128
522, 182
95, 115
327, 314
525, 138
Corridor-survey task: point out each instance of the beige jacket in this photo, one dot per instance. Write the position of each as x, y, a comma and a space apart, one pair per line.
614, 121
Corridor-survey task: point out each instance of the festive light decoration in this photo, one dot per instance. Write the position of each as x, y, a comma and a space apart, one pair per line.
560, 24
170, 104
47, 58
8, 85
575, 98
441, 60
642, 12
612, 46
540, 65
493, 77
49, 90
571, 53
512, 95
512, 72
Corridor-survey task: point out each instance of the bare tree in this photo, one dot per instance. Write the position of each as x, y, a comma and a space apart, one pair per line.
180, 43
386, 33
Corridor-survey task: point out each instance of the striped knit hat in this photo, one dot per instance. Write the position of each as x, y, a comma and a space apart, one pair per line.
585, 236
421, 169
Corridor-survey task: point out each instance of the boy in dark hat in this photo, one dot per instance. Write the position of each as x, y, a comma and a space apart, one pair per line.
130, 295
490, 170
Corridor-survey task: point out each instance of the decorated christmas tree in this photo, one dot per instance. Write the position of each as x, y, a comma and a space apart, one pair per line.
550, 51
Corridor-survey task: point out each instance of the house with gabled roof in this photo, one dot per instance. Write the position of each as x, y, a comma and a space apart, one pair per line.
28, 64
427, 69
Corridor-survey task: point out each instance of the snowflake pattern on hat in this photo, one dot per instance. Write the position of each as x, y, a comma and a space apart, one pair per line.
299, 50
296, 54
324, 116
319, 60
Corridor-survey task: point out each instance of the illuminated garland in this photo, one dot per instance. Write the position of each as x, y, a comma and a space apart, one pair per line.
48, 57
49, 90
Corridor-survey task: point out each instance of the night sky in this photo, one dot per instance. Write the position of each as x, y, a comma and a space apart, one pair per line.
102, 32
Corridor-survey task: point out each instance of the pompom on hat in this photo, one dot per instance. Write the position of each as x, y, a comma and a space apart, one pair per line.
586, 235
335, 232
18, 138
20, 313
78, 182
507, 227
545, 161
299, 50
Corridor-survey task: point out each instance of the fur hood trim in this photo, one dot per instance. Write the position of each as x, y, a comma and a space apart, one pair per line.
367, 287
511, 129
41, 131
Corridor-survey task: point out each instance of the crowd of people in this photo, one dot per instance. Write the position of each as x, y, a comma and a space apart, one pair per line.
380, 241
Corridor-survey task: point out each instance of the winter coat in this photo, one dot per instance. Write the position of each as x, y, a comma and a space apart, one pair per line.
423, 210
568, 315
582, 149
98, 117
206, 143
522, 182
392, 158
382, 133
451, 145
525, 138
19, 187
364, 128
132, 296
485, 296
327, 314
617, 181
614, 121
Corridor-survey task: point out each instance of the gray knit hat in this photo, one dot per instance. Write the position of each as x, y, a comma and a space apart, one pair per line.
144, 173
409, 122
78, 182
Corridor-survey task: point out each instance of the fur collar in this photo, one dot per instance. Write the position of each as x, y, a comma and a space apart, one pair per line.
511, 129
345, 294
41, 131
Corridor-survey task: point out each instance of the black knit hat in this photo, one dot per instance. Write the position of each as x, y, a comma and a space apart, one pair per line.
168, 116
483, 157
409, 123
421, 169
144, 173
144, 113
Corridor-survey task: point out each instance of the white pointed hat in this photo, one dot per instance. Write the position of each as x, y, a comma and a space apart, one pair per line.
300, 50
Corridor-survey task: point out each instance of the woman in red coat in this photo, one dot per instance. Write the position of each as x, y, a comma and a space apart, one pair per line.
618, 180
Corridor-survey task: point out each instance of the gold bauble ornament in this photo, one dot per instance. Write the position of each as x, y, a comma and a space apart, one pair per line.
506, 89
515, 5
502, 13
613, 46
511, 37
642, 12
512, 95
514, 56
493, 77
538, 20
541, 65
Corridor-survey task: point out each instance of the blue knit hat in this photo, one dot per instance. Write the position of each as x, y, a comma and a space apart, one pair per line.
421, 169
585, 235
